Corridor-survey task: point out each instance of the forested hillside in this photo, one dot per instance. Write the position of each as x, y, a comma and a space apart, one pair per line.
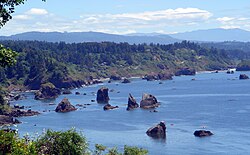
59, 63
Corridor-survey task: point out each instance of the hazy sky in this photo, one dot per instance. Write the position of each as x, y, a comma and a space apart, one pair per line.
128, 16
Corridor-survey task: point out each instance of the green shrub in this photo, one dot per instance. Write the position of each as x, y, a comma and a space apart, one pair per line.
64, 143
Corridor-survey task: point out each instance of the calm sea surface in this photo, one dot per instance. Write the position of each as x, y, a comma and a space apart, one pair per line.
217, 102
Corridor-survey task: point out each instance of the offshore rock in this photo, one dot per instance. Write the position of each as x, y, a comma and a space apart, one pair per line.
202, 133
243, 77
109, 107
66, 92
148, 101
65, 106
132, 103
47, 91
158, 131
102, 95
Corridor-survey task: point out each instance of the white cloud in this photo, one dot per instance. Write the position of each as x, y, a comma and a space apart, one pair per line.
225, 19
123, 23
37, 11
234, 22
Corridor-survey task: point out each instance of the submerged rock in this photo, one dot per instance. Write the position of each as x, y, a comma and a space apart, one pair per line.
65, 106
243, 77
132, 103
202, 133
148, 101
77, 93
102, 95
158, 131
109, 107
47, 91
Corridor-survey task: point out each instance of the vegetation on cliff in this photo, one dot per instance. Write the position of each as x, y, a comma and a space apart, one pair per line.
71, 65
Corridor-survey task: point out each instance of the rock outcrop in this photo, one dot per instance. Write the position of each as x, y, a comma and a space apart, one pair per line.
115, 77
8, 120
185, 71
132, 103
47, 91
148, 101
21, 113
102, 95
109, 107
126, 81
158, 131
202, 133
243, 77
65, 106
159, 76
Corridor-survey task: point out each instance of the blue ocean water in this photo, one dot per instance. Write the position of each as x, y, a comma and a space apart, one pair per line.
215, 101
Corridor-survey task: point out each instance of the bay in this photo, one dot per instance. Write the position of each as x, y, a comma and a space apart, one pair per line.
215, 101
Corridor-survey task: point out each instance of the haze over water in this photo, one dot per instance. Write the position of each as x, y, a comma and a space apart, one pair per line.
217, 102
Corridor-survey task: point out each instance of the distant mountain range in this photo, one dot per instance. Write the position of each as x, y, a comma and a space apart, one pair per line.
76, 37
215, 35
210, 35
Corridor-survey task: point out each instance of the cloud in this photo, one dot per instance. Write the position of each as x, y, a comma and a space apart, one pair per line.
148, 21
234, 22
37, 11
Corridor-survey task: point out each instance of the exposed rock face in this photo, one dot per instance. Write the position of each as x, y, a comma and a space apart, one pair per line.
202, 133
115, 77
148, 101
8, 120
47, 91
132, 103
243, 77
109, 107
67, 83
158, 131
65, 106
185, 71
102, 95
126, 81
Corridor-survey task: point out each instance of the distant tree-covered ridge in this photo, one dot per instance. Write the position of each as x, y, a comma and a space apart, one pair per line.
39, 62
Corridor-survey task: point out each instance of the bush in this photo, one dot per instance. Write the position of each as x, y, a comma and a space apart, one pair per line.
64, 143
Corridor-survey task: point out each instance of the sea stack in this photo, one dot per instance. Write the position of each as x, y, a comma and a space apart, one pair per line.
102, 95
65, 106
132, 103
148, 101
158, 131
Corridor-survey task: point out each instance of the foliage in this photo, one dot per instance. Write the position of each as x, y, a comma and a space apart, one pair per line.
7, 56
56, 142
11, 144
128, 150
40, 62
64, 143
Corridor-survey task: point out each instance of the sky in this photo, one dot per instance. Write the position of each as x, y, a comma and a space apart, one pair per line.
128, 16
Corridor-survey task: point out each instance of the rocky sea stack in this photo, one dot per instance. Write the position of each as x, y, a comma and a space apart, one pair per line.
202, 133
47, 91
65, 106
243, 77
148, 101
158, 131
132, 103
102, 95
